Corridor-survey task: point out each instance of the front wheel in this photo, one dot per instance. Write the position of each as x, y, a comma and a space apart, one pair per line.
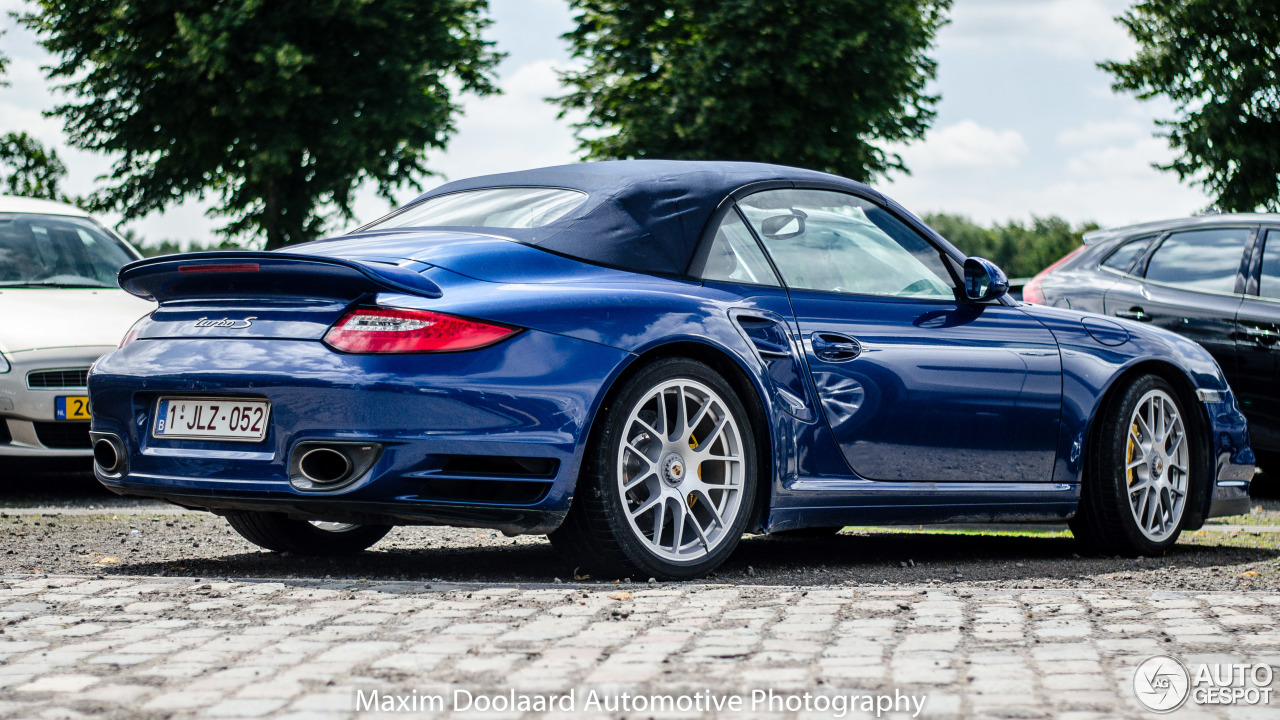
668, 483
278, 532
1137, 480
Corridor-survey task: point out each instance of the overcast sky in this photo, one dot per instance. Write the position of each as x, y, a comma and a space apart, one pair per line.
1027, 124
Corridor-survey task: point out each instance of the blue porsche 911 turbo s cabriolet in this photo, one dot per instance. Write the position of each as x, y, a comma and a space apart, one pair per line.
646, 360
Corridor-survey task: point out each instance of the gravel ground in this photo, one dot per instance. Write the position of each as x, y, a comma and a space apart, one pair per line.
72, 526
202, 545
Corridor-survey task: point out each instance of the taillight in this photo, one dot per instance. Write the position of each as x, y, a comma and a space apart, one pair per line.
1033, 291
135, 330
397, 330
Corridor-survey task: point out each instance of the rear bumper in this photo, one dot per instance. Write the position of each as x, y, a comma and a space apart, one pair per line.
448, 426
512, 520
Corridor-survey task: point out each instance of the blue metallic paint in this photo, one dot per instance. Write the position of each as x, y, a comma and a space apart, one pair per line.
537, 394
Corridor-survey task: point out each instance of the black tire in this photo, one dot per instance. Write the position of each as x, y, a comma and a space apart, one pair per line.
1106, 522
278, 532
807, 533
597, 534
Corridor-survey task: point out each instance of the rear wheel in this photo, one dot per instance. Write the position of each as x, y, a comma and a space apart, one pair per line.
278, 532
1139, 475
668, 483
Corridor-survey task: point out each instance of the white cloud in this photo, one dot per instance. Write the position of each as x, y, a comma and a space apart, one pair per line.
1063, 28
1099, 132
1109, 183
966, 144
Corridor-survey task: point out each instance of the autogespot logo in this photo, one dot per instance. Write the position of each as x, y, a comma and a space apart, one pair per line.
1161, 683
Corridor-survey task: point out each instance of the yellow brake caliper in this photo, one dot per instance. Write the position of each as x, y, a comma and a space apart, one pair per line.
693, 445
1128, 456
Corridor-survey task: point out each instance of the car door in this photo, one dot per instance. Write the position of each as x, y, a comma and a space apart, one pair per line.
1190, 282
914, 383
1258, 344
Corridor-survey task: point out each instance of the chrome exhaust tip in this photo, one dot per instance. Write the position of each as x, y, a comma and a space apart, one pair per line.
324, 466
109, 457
106, 455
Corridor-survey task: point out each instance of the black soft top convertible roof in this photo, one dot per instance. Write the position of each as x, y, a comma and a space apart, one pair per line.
640, 215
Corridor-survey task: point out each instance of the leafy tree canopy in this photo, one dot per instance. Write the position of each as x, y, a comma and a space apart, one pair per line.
1218, 61
1021, 250
27, 169
278, 109
4, 65
823, 84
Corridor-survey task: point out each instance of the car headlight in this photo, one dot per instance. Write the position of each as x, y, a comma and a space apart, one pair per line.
4, 364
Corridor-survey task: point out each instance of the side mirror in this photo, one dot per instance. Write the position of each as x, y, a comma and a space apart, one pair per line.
983, 280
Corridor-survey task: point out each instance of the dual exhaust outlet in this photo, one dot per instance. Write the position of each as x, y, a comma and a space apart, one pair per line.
320, 466
314, 466
108, 455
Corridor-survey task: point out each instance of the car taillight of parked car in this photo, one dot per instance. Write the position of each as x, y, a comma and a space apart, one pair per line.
135, 330
1032, 291
398, 330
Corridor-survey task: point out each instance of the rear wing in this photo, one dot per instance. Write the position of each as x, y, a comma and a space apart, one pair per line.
243, 274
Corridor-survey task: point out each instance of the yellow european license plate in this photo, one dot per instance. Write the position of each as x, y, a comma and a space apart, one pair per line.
71, 407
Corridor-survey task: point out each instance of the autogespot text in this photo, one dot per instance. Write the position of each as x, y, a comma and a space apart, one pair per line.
592, 701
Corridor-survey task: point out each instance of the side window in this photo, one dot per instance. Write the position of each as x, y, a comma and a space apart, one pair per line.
1206, 260
833, 242
735, 256
1270, 285
1122, 258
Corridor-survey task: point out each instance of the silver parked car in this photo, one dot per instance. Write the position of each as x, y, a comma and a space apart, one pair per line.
60, 309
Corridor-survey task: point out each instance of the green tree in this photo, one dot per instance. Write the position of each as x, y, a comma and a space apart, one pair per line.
279, 109
823, 84
28, 169
1218, 62
4, 65
1021, 250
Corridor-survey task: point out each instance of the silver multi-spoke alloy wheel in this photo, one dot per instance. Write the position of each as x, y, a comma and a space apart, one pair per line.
680, 469
1157, 465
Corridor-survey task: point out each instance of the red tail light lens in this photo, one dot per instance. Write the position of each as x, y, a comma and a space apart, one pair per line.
135, 330
1032, 292
395, 330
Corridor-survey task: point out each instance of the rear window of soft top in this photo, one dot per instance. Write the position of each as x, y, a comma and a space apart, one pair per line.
510, 208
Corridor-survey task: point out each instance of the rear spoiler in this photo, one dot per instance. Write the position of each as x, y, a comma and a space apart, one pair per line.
242, 274
1093, 237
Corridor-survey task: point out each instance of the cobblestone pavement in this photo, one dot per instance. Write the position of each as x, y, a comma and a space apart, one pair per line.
143, 647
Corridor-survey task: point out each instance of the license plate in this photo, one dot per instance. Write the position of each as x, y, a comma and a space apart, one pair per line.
234, 419
71, 407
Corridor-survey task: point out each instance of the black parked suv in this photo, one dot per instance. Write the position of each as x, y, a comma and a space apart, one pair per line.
1214, 279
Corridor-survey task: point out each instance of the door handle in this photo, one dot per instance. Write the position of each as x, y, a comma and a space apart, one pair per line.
1134, 313
834, 347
